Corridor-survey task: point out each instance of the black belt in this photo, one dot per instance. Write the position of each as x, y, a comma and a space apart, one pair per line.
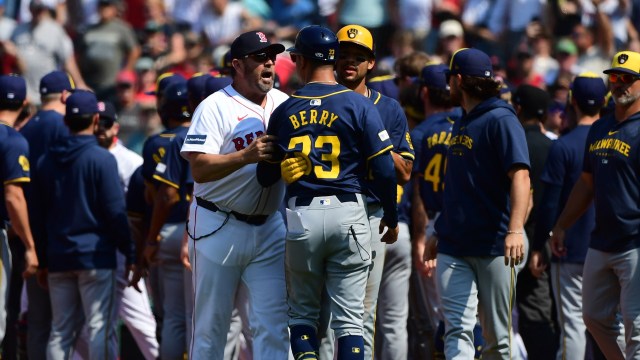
249, 219
306, 200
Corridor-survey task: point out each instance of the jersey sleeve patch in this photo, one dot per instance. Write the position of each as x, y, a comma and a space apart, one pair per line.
161, 168
383, 135
195, 139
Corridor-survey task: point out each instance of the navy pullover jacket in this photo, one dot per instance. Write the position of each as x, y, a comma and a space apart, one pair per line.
81, 207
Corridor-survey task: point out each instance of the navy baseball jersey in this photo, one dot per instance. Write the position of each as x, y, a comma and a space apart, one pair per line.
395, 122
612, 156
404, 203
563, 169
14, 163
136, 206
485, 144
432, 158
174, 170
418, 132
42, 130
385, 84
336, 130
153, 153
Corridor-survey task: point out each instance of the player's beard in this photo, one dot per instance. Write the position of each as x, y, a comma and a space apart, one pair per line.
625, 99
265, 79
456, 95
105, 141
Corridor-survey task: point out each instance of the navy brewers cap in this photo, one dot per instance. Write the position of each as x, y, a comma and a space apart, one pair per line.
216, 83
175, 101
588, 89
253, 42
164, 80
12, 88
433, 76
471, 62
196, 85
533, 101
82, 102
55, 82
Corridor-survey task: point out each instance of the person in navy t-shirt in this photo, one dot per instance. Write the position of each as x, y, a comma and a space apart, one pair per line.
485, 200
611, 178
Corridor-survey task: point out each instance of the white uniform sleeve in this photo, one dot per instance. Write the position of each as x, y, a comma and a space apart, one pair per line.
205, 134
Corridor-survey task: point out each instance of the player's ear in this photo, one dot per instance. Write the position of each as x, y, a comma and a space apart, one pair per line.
237, 64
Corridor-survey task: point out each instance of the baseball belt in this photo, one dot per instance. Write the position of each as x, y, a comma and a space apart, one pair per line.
306, 200
249, 219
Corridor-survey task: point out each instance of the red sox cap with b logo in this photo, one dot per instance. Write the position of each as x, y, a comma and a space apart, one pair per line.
253, 42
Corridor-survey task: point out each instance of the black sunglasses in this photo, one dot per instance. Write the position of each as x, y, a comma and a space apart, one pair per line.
262, 57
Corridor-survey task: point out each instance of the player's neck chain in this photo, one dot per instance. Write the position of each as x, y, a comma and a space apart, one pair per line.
323, 82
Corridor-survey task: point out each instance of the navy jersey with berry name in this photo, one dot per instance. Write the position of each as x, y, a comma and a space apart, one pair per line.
337, 130
485, 144
435, 136
395, 122
14, 163
612, 156
153, 153
175, 171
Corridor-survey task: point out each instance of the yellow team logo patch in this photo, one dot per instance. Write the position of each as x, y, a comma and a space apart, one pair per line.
352, 33
24, 163
355, 350
304, 337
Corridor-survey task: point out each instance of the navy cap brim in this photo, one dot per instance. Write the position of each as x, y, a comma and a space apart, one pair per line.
276, 48
621, 70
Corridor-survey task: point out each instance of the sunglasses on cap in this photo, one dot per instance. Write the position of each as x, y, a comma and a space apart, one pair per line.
615, 78
262, 57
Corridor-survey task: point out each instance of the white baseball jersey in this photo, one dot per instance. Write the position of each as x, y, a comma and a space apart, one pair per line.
224, 123
128, 161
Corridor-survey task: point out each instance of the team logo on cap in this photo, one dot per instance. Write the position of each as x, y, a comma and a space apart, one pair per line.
101, 106
262, 36
623, 58
352, 33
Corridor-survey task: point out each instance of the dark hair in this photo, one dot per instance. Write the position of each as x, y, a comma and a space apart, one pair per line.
78, 123
11, 105
439, 97
480, 88
411, 102
589, 110
412, 64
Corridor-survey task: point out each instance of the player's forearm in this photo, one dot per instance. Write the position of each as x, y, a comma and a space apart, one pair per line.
136, 224
18, 214
210, 167
546, 215
385, 187
578, 202
419, 218
403, 168
520, 194
166, 197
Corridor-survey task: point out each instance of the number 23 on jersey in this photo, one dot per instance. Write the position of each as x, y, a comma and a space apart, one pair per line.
329, 148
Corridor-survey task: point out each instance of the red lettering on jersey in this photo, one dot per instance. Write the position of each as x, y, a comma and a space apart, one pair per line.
249, 138
259, 133
239, 143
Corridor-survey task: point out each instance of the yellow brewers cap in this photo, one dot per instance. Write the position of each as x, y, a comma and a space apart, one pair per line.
625, 62
356, 34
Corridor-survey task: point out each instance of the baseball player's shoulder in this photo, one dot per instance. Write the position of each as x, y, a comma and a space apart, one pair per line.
278, 96
11, 138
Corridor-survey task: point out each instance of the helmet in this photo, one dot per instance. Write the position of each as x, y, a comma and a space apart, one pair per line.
356, 34
316, 42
